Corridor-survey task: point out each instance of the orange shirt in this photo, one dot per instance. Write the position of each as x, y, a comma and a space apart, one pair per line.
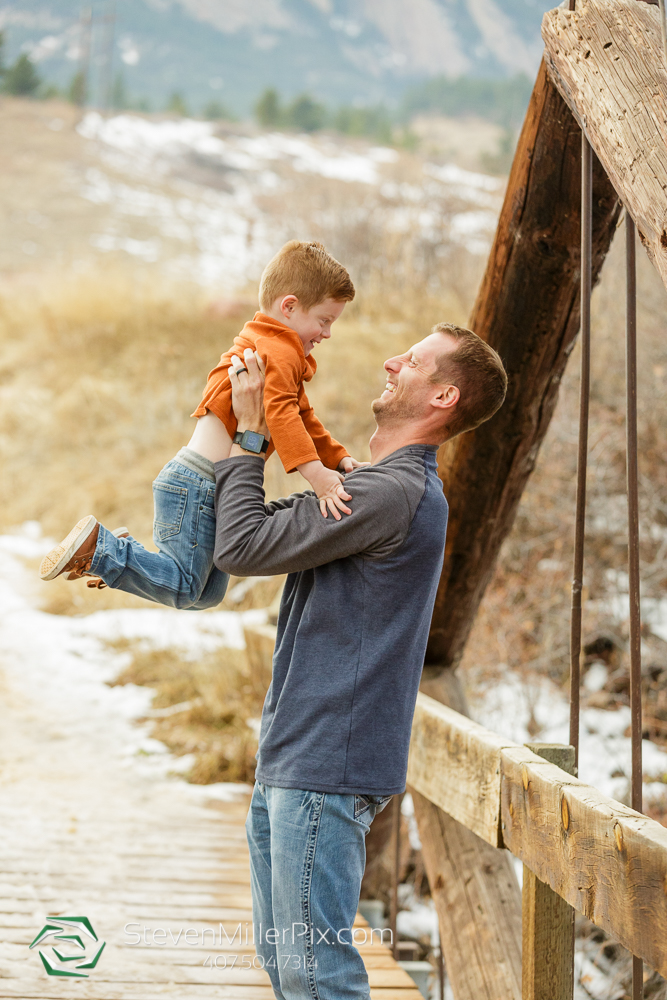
296, 433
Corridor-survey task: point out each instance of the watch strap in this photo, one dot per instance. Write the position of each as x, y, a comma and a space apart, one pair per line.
238, 439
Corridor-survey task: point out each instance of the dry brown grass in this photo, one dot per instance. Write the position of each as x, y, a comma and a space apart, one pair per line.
99, 374
218, 695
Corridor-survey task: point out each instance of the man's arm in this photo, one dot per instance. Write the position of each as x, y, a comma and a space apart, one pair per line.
253, 539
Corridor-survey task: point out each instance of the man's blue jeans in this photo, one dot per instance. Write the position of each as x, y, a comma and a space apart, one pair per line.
307, 859
181, 574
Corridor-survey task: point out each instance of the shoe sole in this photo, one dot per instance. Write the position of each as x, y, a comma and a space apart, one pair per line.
55, 561
117, 533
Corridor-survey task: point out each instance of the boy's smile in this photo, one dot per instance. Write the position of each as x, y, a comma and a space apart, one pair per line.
313, 325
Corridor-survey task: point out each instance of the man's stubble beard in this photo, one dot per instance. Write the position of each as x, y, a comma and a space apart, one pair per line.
394, 410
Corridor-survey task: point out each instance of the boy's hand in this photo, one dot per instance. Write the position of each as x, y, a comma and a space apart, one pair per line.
328, 485
348, 464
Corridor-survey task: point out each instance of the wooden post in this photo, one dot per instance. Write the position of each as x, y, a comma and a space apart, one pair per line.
527, 308
547, 966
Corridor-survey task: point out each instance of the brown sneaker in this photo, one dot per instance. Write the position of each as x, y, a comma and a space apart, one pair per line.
75, 553
96, 582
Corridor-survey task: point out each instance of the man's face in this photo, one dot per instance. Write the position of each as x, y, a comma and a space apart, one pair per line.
408, 389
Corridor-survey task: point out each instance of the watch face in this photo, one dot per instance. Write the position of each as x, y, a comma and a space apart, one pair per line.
252, 441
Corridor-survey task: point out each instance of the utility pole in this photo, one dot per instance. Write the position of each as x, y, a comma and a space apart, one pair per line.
80, 86
106, 61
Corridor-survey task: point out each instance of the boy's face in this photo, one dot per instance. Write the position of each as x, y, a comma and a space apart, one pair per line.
310, 325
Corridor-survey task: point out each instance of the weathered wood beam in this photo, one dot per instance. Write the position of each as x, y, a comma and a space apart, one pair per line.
607, 60
600, 856
603, 858
528, 309
474, 886
475, 894
455, 764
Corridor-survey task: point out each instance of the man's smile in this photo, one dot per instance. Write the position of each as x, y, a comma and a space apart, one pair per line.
390, 387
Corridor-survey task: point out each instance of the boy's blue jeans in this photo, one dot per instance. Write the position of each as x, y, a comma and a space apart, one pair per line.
181, 574
307, 859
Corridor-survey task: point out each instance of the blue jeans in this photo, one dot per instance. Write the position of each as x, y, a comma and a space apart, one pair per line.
307, 859
181, 574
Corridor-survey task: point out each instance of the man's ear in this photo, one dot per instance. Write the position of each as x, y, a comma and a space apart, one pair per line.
447, 397
288, 304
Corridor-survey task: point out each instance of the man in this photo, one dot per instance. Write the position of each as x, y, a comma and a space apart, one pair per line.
352, 632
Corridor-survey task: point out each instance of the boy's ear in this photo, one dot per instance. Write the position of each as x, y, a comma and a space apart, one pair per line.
447, 396
288, 304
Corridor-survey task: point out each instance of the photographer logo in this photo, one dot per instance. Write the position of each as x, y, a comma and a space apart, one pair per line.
68, 946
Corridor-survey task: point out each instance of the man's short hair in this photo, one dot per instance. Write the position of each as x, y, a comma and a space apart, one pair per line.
476, 369
307, 271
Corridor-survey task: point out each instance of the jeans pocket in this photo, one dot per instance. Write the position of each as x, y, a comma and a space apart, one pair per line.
169, 505
364, 802
208, 502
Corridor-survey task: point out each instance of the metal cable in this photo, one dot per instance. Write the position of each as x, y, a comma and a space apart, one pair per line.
633, 542
582, 456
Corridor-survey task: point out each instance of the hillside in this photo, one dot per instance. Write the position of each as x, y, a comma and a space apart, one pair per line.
231, 50
210, 203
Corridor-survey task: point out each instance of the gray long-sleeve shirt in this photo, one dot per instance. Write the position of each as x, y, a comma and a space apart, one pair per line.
354, 617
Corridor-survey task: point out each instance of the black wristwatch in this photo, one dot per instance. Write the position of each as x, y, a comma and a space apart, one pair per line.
251, 441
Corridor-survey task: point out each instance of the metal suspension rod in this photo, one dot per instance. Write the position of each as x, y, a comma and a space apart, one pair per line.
582, 457
633, 543
396, 844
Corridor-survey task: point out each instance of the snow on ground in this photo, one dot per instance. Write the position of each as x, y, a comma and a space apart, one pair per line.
604, 750
207, 195
59, 666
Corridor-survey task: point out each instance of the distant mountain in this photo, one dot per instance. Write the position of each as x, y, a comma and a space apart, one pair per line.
340, 51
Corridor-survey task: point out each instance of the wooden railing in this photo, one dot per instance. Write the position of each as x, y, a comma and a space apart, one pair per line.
603, 858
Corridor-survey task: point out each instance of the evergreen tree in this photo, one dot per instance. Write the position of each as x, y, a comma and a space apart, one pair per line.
305, 114
267, 110
177, 105
374, 123
77, 91
3, 68
119, 98
21, 79
216, 111
49, 92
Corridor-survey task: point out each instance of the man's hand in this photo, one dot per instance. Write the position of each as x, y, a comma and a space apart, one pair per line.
247, 382
348, 464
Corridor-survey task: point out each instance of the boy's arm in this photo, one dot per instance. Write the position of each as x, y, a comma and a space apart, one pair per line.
281, 402
253, 539
330, 452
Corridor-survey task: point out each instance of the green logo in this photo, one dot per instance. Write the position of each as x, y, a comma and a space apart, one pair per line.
74, 933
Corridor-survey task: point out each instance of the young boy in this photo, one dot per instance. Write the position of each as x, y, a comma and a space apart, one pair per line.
303, 290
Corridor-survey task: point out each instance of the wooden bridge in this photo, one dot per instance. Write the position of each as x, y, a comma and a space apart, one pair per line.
163, 879
594, 142
477, 796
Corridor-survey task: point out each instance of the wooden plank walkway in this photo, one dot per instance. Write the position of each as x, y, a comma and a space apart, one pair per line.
92, 825
186, 874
